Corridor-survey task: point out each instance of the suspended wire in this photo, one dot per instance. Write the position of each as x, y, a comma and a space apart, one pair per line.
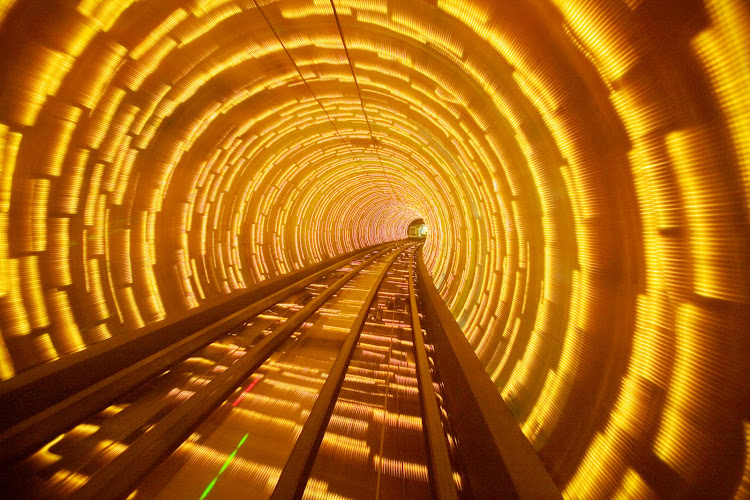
333, 124
361, 101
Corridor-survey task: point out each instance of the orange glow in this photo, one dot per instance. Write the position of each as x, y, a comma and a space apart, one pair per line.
583, 167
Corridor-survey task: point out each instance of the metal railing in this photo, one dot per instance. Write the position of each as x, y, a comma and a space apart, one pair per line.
67, 390
441, 471
295, 473
498, 459
120, 476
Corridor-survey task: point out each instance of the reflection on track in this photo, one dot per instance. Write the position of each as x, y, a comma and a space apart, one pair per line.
66, 463
374, 446
240, 449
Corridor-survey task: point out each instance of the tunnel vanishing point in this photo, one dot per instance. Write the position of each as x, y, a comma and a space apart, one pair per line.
582, 167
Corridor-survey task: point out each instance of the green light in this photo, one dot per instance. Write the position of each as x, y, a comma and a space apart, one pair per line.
226, 462
223, 468
209, 488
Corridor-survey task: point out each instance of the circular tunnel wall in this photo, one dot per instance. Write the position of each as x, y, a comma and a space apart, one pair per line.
583, 167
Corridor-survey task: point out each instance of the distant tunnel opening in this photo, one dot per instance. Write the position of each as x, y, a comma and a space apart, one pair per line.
418, 229
582, 169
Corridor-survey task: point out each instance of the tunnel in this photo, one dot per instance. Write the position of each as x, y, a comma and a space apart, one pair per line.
417, 229
582, 167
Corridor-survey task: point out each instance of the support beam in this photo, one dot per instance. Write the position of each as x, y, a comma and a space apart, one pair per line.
441, 471
499, 460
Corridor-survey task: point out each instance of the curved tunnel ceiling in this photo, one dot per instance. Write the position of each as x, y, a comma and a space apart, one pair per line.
583, 167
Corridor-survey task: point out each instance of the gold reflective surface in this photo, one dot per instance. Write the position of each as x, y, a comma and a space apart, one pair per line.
583, 167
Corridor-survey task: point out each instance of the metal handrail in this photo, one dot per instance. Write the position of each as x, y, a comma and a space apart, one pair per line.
499, 461
107, 380
84, 368
441, 472
118, 477
294, 475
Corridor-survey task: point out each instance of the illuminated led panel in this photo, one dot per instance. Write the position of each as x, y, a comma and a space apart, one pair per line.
583, 167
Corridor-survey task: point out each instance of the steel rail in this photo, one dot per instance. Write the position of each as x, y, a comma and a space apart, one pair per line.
440, 469
499, 461
120, 476
32, 433
105, 375
294, 475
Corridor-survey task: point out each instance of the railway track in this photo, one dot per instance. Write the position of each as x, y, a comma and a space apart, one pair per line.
322, 386
264, 388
